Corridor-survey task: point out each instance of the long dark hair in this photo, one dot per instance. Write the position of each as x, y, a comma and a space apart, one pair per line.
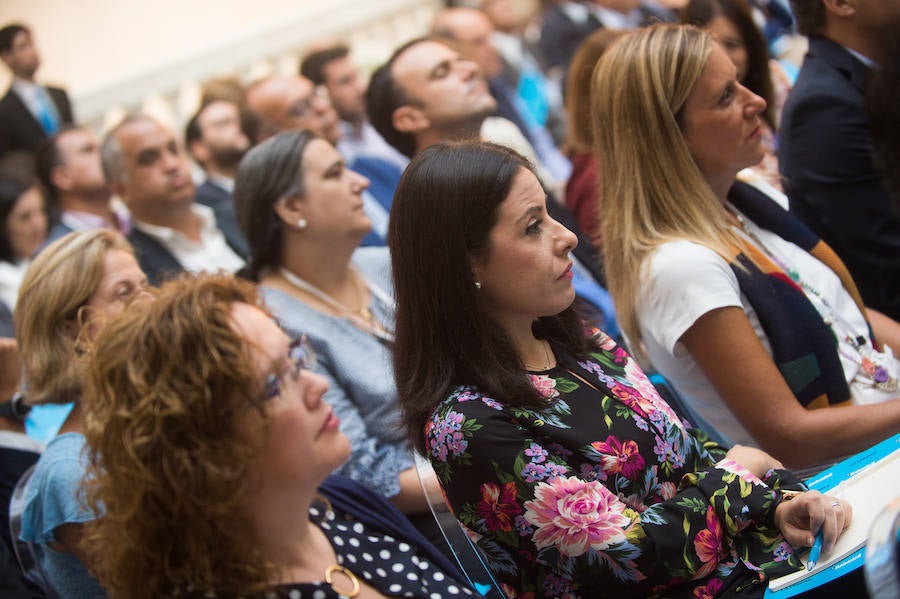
444, 209
268, 172
758, 77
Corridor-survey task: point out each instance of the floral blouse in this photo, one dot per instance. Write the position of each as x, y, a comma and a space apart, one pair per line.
605, 491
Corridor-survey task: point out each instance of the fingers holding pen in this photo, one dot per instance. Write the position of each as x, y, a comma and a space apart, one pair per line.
810, 513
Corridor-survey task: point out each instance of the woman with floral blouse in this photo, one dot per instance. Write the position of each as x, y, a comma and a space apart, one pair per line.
553, 448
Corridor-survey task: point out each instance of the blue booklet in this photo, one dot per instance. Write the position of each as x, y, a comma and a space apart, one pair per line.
869, 481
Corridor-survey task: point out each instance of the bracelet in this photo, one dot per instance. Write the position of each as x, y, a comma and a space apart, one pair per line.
15, 407
787, 494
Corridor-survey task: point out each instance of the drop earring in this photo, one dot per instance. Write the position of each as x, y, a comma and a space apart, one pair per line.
301, 224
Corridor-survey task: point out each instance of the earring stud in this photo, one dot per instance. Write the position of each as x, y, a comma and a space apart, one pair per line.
301, 224
477, 285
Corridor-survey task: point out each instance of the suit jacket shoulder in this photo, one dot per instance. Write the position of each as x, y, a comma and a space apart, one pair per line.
154, 259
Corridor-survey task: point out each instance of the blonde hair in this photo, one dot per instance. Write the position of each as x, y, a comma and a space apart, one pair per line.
653, 190
58, 283
168, 388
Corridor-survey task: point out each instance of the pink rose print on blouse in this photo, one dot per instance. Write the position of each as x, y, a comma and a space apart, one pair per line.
708, 545
617, 456
710, 590
498, 506
574, 516
546, 386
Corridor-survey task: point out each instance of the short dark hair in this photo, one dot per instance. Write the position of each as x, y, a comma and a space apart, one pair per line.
192, 131
313, 64
445, 206
46, 158
268, 172
809, 16
384, 96
9, 33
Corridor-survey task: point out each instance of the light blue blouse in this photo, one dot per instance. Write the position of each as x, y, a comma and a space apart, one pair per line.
359, 369
53, 499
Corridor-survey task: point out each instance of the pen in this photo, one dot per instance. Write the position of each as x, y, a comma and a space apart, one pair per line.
814, 552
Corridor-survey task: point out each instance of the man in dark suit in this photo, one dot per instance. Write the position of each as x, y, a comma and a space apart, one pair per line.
68, 165
825, 145
28, 112
217, 143
170, 232
565, 25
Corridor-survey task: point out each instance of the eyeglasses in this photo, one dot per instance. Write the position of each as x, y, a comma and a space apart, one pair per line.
300, 357
301, 107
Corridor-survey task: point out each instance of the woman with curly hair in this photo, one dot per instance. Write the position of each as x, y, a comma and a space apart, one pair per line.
72, 286
210, 449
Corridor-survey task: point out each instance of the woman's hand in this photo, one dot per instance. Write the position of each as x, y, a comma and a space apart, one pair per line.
801, 518
755, 460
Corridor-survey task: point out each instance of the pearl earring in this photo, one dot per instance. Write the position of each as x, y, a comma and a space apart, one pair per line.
477, 285
301, 224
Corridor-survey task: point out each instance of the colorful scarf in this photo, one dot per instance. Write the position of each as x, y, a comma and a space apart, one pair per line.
804, 346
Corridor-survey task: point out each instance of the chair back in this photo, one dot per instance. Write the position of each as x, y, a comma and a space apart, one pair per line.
471, 561
28, 555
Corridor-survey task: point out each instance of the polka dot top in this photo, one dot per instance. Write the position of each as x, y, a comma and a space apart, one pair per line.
393, 568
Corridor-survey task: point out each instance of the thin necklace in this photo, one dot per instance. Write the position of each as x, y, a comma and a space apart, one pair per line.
362, 318
867, 357
547, 355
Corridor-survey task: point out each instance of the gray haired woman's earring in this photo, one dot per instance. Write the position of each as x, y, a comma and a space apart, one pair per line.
301, 224
477, 285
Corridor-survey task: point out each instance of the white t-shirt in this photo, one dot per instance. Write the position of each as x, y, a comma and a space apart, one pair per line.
686, 280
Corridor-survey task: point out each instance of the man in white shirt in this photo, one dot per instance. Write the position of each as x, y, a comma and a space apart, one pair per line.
29, 112
146, 168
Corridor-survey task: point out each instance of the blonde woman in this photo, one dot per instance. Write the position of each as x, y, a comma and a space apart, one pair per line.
756, 322
72, 284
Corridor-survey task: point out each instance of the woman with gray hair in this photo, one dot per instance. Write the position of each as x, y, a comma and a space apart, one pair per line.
301, 211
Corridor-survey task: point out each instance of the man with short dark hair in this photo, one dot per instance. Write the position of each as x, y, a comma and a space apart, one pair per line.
332, 68
217, 143
29, 112
825, 144
171, 233
470, 31
426, 93
68, 165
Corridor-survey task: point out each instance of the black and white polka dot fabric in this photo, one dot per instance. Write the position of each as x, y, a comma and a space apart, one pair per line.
391, 567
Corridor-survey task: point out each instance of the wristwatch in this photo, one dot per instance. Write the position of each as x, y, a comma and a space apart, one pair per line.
15, 407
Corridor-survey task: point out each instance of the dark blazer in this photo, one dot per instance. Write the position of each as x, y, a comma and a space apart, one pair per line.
825, 157
159, 264
560, 35
220, 200
19, 130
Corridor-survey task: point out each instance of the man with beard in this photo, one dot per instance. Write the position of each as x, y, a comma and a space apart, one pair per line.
217, 143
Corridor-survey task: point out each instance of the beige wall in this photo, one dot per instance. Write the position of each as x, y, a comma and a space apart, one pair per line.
87, 42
